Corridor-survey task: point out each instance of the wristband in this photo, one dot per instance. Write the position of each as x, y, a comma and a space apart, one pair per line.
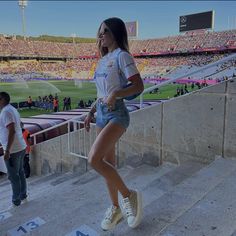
91, 113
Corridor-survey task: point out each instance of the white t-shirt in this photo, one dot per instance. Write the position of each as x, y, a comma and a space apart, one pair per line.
10, 115
113, 72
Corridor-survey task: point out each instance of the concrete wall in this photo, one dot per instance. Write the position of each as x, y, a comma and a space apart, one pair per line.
53, 156
197, 126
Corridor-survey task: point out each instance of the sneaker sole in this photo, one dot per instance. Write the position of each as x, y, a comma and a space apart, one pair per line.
139, 211
24, 201
113, 225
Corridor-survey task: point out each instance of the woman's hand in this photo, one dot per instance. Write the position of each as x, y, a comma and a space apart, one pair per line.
87, 121
6, 155
110, 101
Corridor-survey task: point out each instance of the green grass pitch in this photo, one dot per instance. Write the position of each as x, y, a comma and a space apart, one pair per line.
19, 91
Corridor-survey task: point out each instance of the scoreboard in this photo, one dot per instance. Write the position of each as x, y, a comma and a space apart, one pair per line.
204, 20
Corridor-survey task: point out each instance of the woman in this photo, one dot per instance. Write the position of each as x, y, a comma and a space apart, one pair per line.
115, 69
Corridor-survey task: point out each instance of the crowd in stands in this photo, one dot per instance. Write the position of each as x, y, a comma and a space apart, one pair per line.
79, 60
27, 48
205, 39
69, 69
186, 42
84, 68
163, 65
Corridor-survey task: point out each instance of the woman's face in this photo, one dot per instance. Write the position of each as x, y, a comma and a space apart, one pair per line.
105, 36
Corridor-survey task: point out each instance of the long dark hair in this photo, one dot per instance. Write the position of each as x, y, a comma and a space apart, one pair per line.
119, 32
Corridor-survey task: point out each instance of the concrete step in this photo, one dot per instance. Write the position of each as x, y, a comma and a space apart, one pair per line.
234, 233
164, 184
78, 200
92, 212
213, 215
36, 185
164, 211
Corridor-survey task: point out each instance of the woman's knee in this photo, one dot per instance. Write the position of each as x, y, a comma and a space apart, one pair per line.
110, 161
90, 161
110, 157
93, 159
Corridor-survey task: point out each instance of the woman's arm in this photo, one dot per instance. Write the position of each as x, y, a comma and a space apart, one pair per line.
93, 109
11, 135
136, 87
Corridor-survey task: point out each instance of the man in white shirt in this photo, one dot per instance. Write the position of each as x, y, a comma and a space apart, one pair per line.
14, 147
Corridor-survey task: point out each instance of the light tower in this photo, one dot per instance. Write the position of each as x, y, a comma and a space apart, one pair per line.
74, 45
22, 5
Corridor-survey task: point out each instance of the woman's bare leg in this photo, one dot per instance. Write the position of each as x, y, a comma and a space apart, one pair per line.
113, 191
103, 145
110, 158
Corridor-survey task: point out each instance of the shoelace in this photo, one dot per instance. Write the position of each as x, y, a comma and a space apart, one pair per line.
127, 207
109, 213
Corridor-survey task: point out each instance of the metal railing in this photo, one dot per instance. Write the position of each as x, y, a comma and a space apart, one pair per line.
79, 140
34, 136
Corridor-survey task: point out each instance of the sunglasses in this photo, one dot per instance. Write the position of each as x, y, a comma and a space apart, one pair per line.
103, 33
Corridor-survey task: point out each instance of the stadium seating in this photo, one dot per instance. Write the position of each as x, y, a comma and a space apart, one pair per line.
71, 60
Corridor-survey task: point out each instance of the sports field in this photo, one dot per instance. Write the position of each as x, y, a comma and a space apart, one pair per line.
19, 91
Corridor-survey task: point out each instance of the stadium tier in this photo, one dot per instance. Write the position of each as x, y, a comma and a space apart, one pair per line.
180, 43
52, 60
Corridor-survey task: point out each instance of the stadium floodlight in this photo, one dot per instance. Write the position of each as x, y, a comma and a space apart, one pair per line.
74, 45
22, 4
73, 37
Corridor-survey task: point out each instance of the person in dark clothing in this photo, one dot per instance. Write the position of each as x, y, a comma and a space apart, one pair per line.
65, 104
26, 136
192, 86
68, 105
81, 104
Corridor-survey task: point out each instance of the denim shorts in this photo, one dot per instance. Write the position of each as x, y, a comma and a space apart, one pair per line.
119, 115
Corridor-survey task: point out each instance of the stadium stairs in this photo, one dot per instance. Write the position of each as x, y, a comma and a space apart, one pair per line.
188, 199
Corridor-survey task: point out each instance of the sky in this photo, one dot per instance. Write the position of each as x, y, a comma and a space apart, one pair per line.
156, 19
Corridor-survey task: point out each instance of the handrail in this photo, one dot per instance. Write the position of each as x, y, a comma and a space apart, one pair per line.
53, 127
84, 141
84, 150
185, 75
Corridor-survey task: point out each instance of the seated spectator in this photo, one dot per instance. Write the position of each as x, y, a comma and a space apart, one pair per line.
90, 102
81, 104
29, 102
